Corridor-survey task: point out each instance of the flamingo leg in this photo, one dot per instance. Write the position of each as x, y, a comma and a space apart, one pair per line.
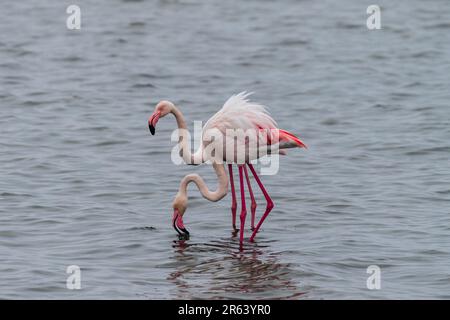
243, 208
233, 197
252, 197
269, 206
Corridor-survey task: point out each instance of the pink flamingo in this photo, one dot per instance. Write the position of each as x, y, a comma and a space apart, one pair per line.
237, 113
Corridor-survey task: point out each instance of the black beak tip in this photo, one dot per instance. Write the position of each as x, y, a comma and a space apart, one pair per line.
152, 129
184, 236
185, 231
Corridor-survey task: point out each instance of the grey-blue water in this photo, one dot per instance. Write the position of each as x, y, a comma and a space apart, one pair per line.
83, 183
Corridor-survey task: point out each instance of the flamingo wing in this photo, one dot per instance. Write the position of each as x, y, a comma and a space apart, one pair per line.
239, 112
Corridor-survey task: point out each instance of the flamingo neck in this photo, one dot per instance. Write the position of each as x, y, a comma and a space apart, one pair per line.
216, 195
183, 140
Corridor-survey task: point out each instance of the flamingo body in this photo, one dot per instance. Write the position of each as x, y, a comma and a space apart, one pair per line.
238, 114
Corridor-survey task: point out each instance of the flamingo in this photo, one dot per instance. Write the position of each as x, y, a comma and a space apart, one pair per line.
238, 112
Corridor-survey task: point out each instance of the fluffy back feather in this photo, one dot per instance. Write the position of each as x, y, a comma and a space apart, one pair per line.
239, 112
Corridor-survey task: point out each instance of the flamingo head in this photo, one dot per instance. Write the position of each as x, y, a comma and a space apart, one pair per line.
179, 208
162, 109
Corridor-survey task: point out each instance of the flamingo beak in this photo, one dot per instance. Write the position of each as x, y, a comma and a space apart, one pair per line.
302, 144
152, 122
178, 225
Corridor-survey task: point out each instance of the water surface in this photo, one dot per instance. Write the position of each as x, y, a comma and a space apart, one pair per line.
83, 183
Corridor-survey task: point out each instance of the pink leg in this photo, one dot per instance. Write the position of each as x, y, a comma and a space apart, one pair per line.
233, 197
243, 209
252, 197
269, 206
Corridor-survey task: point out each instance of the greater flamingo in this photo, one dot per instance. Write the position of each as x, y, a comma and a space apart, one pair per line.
237, 113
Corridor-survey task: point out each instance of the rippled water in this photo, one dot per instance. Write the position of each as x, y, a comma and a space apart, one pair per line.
82, 182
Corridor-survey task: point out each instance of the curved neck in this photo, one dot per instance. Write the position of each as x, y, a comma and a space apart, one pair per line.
216, 195
183, 140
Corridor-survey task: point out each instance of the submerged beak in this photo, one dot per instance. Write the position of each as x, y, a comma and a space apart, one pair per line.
152, 122
178, 225
151, 128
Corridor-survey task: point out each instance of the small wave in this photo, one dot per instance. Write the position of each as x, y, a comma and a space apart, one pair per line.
136, 24
143, 85
144, 228
11, 194
427, 151
349, 26
378, 56
110, 143
293, 42
442, 25
329, 122
71, 59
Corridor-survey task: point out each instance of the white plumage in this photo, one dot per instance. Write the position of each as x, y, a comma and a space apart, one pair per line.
238, 112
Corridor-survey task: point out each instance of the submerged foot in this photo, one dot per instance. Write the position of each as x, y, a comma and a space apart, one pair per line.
235, 231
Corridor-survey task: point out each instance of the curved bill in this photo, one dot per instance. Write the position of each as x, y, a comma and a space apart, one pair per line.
152, 122
178, 225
